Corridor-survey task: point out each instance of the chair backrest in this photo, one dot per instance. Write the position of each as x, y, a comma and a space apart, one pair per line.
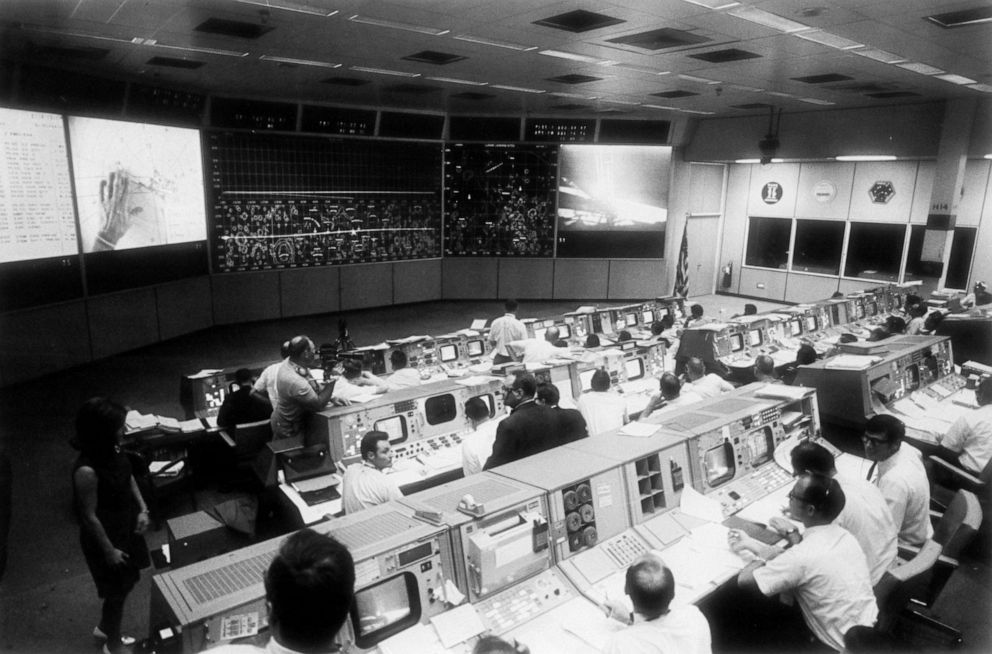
251, 437
959, 523
894, 590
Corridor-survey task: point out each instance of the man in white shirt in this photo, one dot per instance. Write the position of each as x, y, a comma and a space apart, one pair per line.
968, 443
364, 483
477, 446
826, 571
356, 382
865, 514
538, 350
670, 397
403, 376
264, 387
309, 589
901, 477
702, 384
504, 331
602, 409
656, 627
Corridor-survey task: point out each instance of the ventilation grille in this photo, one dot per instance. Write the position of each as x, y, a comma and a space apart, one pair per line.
574, 79
730, 405
674, 94
823, 79
376, 528
962, 18
724, 56
579, 20
688, 421
434, 57
484, 491
661, 39
228, 580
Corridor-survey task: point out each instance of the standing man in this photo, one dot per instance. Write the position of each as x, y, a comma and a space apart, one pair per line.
530, 428
901, 477
866, 514
364, 483
656, 627
825, 571
264, 388
504, 331
297, 393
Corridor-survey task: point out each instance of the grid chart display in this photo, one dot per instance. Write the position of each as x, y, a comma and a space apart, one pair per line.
283, 201
499, 199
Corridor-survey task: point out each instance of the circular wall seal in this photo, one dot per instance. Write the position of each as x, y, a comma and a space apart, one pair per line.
824, 191
771, 192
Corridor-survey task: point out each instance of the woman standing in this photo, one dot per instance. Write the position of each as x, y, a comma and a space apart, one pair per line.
112, 514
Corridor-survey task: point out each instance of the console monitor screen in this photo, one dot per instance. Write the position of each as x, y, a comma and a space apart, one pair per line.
540, 332
647, 317
440, 409
760, 446
394, 426
490, 402
630, 319
564, 331
872, 308
754, 337
718, 464
859, 309
585, 377
810, 323
137, 185
476, 349
385, 609
795, 327
634, 368
35, 193
448, 353
606, 320
736, 342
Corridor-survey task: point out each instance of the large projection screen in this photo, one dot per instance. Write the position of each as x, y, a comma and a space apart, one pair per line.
613, 201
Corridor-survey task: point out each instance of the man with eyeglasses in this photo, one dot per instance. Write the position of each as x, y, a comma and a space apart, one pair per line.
530, 428
825, 571
901, 477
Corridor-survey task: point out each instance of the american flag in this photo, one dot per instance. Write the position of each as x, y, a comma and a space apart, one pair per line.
682, 268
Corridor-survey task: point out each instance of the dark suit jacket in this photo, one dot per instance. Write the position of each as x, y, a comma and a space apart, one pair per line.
573, 425
530, 428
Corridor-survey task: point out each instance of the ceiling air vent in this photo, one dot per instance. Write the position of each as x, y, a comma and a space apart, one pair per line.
579, 20
963, 17
674, 94
724, 56
574, 79
433, 57
660, 39
826, 78
233, 28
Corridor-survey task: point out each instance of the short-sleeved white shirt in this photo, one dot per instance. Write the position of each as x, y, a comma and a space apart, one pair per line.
603, 411
906, 489
971, 435
866, 515
477, 446
683, 630
364, 485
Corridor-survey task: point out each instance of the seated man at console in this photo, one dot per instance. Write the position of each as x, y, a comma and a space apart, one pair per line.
530, 428
536, 350
355, 381
242, 406
602, 409
296, 393
477, 445
865, 514
656, 627
703, 384
309, 588
570, 421
671, 396
825, 571
403, 376
365, 484
901, 477
764, 370
968, 443
805, 356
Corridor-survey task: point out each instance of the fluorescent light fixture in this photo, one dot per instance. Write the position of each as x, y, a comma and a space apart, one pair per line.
521, 89
829, 40
780, 94
956, 79
866, 157
617, 101
571, 56
187, 48
383, 71
137, 40
984, 88
659, 106
714, 4
768, 19
880, 55
922, 69
693, 111
635, 68
816, 101
396, 25
289, 5
575, 96
988, 156
700, 80
453, 80
747, 161
299, 62
741, 87
481, 40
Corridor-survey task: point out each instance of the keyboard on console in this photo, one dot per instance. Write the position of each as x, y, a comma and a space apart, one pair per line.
320, 495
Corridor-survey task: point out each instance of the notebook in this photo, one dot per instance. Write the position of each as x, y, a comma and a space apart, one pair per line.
310, 471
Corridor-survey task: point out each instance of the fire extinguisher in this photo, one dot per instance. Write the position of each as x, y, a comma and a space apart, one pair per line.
728, 273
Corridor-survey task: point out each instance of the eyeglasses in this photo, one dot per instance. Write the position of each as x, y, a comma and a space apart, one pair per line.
866, 439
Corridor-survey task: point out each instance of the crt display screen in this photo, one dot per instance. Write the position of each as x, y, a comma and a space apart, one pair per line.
647, 317
736, 342
448, 353
635, 368
394, 426
540, 332
718, 464
810, 323
630, 319
795, 327
440, 409
759, 446
490, 402
754, 337
872, 308
384, 609
475, 349
564, 331
859, 310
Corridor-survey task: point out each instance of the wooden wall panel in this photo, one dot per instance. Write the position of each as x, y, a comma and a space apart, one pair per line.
244, 297
526, 279
416, 281
36, 342
122, 321
473, 278
581, 279
308, 291
366, 285
184, 307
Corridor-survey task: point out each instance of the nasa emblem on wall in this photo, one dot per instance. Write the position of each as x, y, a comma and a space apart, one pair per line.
771, 192
881, 192
824, 191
